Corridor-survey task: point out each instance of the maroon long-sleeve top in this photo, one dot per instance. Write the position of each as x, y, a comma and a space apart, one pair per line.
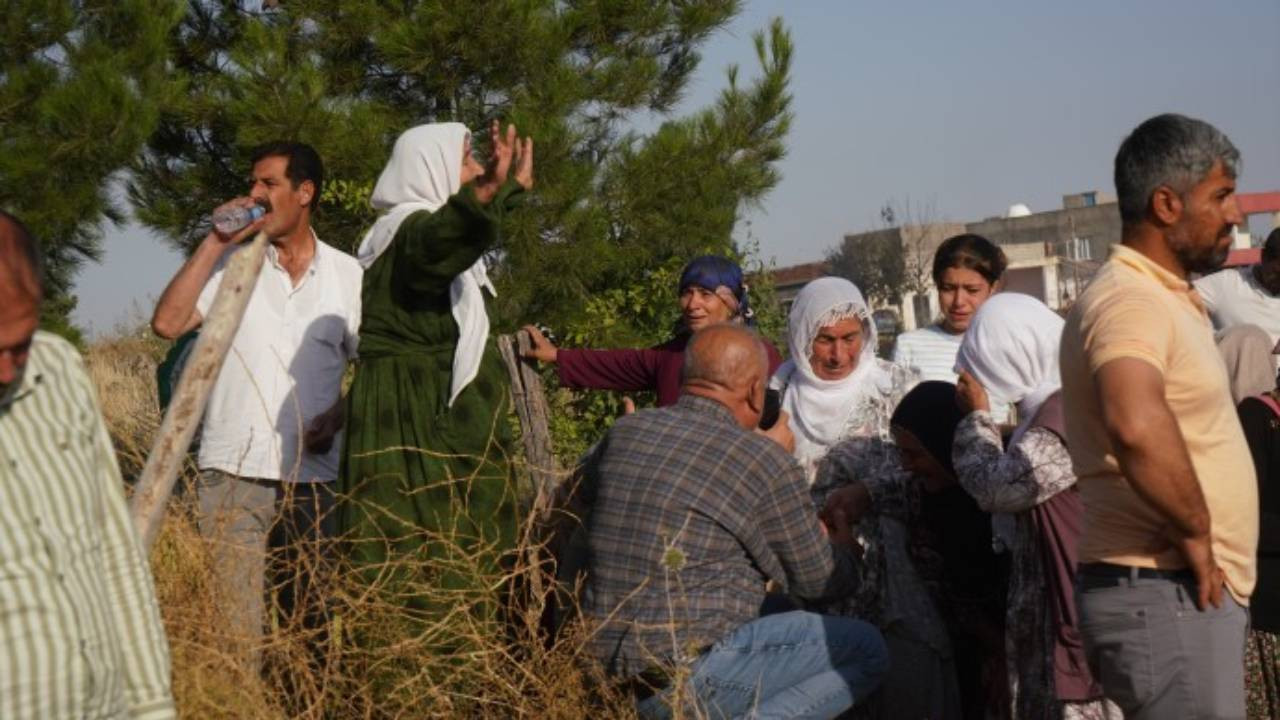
657, 368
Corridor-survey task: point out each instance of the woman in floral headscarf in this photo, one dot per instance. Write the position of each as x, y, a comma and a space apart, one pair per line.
840, 398
712, 290
1010, 355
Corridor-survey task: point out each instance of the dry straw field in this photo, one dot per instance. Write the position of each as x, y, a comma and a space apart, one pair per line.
366, 657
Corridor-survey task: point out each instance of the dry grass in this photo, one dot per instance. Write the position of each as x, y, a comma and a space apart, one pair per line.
370, 658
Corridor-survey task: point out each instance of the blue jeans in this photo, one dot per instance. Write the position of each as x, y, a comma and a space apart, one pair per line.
790, 665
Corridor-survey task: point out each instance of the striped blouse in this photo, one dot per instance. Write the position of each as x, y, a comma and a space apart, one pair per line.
931, 351
80, 631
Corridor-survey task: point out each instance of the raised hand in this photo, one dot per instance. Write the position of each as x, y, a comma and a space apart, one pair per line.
240, 235
524, 163
504, 148
970, 395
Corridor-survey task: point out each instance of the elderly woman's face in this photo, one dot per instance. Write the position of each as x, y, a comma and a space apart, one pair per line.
701, 307
836, 349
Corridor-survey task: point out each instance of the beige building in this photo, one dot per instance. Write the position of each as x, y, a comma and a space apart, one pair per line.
1052, 254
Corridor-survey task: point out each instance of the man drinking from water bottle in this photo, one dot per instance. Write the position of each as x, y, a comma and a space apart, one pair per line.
269, 447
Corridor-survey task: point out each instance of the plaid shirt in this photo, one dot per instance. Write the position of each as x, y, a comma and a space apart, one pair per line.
690, 515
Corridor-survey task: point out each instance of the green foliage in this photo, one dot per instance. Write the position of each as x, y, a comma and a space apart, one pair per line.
614, 215
641, 314
350, 199
55, 317
81, 85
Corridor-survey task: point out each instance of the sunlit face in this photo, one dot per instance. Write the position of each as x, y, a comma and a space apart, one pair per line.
701, 307
917, 460
961, 291
836, 349
286, 205
18, 321
1201, 238
471, 167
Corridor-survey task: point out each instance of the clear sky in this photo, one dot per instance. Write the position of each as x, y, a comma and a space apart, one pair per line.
965, 108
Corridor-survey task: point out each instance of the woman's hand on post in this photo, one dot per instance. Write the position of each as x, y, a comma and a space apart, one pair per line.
540, 348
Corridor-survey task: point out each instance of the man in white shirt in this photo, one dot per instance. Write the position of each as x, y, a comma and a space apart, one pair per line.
269, 444
1247, 295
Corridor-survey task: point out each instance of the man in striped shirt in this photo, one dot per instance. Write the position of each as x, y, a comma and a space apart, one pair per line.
80, 632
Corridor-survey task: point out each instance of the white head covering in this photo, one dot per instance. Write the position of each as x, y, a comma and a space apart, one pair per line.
1011, 347
820, 408
423, 173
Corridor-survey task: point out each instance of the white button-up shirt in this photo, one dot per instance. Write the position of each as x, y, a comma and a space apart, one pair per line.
285, 367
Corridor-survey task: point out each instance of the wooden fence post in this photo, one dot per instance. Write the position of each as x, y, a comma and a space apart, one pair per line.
531, 408
164, 462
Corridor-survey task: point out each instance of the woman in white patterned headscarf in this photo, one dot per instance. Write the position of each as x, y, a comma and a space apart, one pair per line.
834, 386
1010, 355
426, 432
840, 398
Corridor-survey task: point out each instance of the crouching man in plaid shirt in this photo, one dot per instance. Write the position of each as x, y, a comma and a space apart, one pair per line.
691, 512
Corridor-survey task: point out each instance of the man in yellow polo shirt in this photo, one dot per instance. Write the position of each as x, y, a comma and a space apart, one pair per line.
1171, 503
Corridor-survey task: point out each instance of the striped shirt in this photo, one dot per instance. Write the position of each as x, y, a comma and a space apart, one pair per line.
931, 351
690, 515
80, 632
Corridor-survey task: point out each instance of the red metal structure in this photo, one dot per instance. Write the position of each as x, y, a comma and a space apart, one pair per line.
1253, 204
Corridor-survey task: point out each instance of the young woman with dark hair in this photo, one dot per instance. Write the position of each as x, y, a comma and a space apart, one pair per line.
967, 270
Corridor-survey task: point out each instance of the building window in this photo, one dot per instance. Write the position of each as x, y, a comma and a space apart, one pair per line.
920, 308
1080, 249
1089, 199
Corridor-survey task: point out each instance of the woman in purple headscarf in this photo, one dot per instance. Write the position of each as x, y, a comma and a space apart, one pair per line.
712, 290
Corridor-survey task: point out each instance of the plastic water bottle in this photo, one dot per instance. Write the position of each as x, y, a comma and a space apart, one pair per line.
229, 221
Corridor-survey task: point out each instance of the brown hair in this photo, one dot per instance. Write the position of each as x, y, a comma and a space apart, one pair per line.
971, 252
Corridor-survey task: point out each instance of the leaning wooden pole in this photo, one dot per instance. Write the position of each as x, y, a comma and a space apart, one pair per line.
155, 485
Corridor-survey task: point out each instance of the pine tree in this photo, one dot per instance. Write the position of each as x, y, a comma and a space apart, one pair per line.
81, 83
347, 77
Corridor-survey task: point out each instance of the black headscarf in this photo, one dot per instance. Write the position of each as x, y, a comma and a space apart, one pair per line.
960, 531
930, 413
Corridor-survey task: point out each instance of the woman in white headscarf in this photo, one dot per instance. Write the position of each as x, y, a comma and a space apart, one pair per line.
1010, 355
424, 455
840, 398
834, 387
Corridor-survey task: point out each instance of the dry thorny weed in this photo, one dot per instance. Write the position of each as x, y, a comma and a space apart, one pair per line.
367, 655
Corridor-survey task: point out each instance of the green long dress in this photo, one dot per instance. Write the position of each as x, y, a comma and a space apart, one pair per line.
426, 503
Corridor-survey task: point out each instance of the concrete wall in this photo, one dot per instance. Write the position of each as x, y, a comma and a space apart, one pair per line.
1099, 226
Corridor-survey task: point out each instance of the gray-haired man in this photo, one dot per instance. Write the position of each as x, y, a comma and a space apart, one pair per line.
1167, 557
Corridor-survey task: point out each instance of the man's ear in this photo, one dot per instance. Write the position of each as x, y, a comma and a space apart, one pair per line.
1165, 205
755, 396
307, 189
